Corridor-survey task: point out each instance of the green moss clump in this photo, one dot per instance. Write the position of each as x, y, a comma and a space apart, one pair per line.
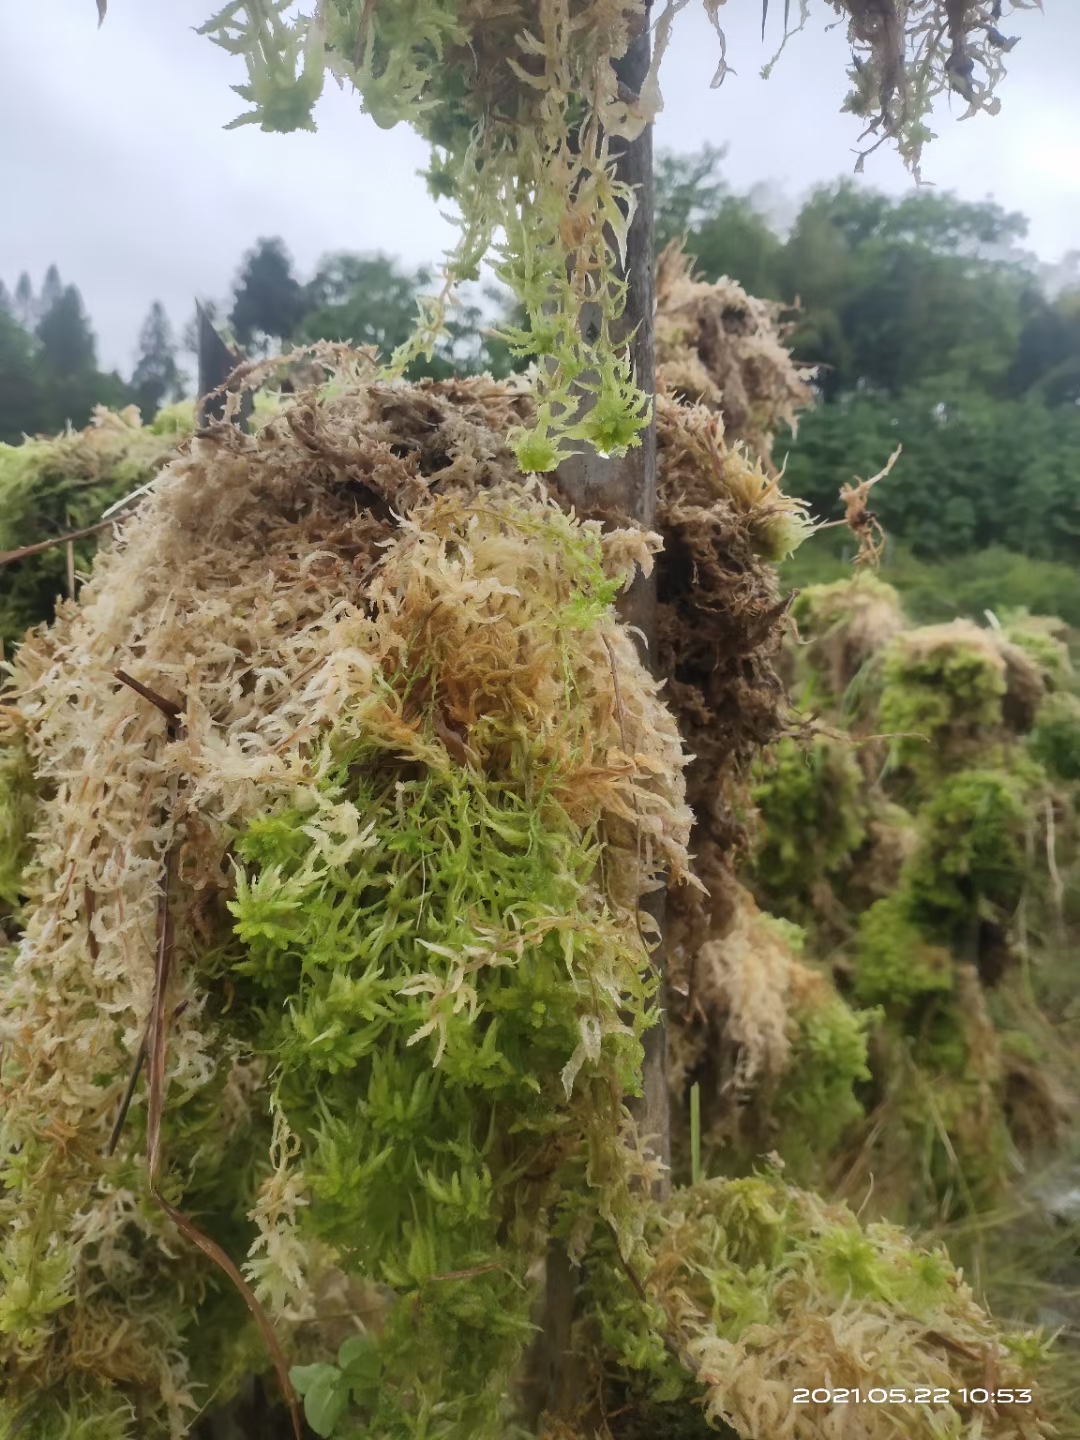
812, 817
971, 853
423, 1048
1039, 636
177, 420
1055, 741
87, 1413
816, 1103
52, 487
843, 626
895, 965
942, 692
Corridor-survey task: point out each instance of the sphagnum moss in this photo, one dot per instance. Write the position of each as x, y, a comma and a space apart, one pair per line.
424, 766
52, 486
767, 1291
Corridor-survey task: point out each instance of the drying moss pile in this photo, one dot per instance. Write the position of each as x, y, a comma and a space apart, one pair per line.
366, 851
417, 792
757, 1289
922, 839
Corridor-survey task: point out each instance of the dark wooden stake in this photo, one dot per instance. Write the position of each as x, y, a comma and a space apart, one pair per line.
216, 363
624, 489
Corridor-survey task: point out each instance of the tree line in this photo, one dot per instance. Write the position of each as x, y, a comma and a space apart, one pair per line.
49, 373
931, 328
929, 324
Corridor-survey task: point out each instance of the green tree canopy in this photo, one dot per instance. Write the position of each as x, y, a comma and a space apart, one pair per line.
48, 368
267, 298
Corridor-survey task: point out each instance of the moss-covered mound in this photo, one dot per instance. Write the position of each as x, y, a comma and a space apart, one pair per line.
347, 785
51, 487
419, 782
763, 1301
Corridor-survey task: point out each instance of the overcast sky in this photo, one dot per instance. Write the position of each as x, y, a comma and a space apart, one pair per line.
115, 166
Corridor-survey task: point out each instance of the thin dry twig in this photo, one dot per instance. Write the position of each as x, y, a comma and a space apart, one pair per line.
8, 557
860, 519
154, 1047
1057, 885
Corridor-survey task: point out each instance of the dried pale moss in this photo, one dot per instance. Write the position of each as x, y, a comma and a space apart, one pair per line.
776, 1052
761, 1288
735, 1005
719, 347
432, 725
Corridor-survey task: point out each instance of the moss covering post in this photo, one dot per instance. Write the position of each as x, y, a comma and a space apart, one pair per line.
621, 488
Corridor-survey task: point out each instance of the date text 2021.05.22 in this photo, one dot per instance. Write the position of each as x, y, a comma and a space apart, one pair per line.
927, 1395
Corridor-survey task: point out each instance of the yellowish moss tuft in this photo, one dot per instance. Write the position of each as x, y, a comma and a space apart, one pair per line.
756, 1289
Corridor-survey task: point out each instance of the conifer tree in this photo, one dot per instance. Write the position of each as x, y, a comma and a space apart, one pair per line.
267, 300
67, 341
24, 301
157, 376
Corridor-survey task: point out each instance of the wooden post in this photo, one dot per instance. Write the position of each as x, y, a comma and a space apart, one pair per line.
623, 489
626, 488
216, 363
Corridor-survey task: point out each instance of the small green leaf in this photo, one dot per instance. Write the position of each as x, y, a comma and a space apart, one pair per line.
359, 1357
305, 1376
326, 1401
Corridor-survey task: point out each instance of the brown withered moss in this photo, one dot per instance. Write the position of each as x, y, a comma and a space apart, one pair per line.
720, 624
720, 347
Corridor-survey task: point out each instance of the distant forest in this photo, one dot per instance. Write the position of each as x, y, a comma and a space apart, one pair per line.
930, 325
